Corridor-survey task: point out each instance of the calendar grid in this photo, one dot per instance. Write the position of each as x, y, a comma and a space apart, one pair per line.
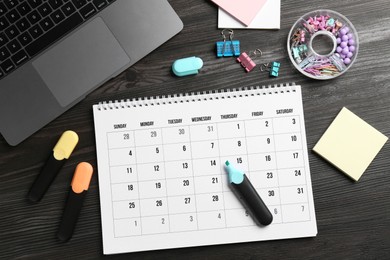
165, 180
202, 193
193, 179
209, 229
233, 208
278, 177
219, 157
161, 146
303, 154
247, 152
112, 206
287, 150
136, 168
161, 170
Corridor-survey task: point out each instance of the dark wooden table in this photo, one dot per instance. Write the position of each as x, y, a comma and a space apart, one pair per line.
353, 218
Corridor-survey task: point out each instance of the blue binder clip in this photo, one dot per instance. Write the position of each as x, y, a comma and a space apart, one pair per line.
228, 48
272, 68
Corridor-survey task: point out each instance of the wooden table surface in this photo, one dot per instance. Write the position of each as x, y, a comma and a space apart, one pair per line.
353, 218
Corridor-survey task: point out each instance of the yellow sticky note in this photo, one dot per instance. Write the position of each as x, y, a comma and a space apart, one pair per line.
350, 144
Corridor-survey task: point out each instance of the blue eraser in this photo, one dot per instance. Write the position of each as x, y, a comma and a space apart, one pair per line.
187, 66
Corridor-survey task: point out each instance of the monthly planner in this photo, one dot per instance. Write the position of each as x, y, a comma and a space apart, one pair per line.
162, 180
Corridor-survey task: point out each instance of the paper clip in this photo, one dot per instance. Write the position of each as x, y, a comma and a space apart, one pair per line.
272, 68
228, 48
246, 62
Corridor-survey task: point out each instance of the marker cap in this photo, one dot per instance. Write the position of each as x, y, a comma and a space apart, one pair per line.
234, 175
82, 177
65, 145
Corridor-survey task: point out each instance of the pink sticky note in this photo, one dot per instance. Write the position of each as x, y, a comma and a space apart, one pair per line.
243, 10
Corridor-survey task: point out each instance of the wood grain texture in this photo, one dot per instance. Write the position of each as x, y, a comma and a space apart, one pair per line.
353, 218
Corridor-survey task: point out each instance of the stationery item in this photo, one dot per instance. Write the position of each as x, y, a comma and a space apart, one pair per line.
162, 178
248, 194
350, 144
268, 17
187, 66
79, 187
323, 44
228, 48
61, 151
272, 68
244, 10
246, 62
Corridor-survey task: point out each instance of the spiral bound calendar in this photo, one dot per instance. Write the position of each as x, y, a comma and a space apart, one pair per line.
161, 169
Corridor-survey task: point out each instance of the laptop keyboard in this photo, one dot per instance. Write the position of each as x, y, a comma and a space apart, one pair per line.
28, 27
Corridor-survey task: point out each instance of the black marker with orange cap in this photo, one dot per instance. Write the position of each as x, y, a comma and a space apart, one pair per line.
79, 187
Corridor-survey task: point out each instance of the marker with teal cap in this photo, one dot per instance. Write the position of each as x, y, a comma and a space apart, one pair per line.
252, 201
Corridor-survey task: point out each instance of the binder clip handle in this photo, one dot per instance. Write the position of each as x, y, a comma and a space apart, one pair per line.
264, 67
257, 51
230, 32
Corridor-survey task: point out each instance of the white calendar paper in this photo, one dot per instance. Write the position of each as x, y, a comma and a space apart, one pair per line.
161, 168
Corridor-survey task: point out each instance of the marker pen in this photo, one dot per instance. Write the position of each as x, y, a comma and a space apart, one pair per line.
79, 187
252, 201
61, 151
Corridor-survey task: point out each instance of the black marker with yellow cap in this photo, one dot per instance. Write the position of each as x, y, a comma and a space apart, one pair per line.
61, 151
79, 187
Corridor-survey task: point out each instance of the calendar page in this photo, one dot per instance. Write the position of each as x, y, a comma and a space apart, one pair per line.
161, 170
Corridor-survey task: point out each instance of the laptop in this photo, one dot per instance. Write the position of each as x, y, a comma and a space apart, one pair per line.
53, 53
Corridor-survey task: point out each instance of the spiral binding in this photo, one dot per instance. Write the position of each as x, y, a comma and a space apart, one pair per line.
198, 96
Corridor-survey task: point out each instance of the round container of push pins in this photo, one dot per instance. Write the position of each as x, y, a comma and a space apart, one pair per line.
323, 44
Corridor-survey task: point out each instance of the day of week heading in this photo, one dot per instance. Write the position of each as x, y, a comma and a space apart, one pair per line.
201, 118
117, 126
284, 111
148, 123
175, 121
257, 113
228, 116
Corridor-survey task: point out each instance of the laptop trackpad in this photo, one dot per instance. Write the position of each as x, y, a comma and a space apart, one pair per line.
81, 62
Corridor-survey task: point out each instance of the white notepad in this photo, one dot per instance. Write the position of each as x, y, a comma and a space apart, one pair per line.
161, 177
